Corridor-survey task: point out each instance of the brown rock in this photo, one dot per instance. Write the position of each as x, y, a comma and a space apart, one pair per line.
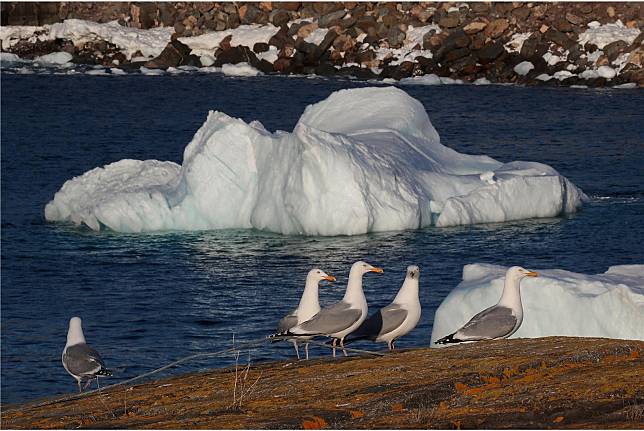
450, 21
455, 54
279, 17
480, 7
474, 27
559, 38
331, 19
521, 13
225, 42
292, 6
614, 49
574, 19
260, 47
344, 42
490, 52
603, 61
610, 11
496, 28
539, 10
632, 24
586, 8
306, 30
365, 23
422, 13
282, 65
563, 25
204, 6
544, 28
266, 6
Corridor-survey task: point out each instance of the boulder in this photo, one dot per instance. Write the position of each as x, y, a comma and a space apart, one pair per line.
328, 40
574, 19
396, 37
174, 54
260, 47
235, 55
558, 38
614, 49
455, 54
529, 47
279, 17
451, 20
398, 72
331, 19
490, 52
521, 13
281, 39
496, 28
474, 27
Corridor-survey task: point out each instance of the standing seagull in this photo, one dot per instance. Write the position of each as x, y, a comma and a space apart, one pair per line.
79, 359
341, 318
500, 320
308, 307
396, 319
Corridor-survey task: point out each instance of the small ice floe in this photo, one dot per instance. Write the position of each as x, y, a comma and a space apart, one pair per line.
240, 69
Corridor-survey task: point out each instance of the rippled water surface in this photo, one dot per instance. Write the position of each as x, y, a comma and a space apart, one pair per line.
151, 298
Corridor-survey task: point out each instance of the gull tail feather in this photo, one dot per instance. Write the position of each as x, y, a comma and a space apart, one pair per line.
449, 339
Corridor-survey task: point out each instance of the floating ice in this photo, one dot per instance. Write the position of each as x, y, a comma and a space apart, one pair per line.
362, 160
54, 58
240, 69
558, 302
606, 72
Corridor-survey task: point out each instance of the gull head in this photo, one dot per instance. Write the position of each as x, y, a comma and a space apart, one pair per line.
318, 275
75, 332
518, 273
362, 268
413, 272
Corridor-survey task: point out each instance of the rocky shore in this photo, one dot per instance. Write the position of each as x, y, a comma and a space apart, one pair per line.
522, 383
590, 44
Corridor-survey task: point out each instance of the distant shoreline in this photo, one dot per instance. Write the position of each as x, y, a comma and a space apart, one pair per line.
554, 44
555, 382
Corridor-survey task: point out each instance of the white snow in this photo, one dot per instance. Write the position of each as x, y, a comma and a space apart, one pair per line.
316, 36
626, 85
602, 35
589, 74
247, 35
544, 77
207, 60
557, 302
271, 55
381, 168
240, 69
7, 57
54, 58
151, 72
414, 35
606, 72
523, 68
516, 42
429, 79
482, 81
562, 74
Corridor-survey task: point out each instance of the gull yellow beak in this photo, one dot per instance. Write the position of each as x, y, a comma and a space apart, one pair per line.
532, 274
329, 278
376, 269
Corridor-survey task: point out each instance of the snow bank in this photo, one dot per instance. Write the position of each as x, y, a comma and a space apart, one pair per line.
54, 58
602, 35
247, 35
558, 302
362, 160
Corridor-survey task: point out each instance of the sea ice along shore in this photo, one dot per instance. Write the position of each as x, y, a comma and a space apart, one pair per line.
363, 160
557, 303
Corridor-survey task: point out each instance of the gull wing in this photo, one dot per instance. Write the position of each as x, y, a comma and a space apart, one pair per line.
82, 360
493, 322
287, 322
329, 320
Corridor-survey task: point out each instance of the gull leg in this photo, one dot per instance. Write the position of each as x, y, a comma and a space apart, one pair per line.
342, 345
89, 382
334, 341
80, 390
297, 350
97, 384
306, 350
390, 344
393, 346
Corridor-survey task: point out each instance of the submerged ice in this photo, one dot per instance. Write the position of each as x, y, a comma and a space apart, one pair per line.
557, 303
363, 160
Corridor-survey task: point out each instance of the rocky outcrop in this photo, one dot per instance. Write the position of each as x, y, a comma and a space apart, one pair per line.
466, 41
554, 382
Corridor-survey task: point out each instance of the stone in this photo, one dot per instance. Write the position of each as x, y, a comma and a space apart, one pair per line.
478, 41
328, 40
423, 14
279, 17
225, 42
574, 19
544, 28
292, 6
455, 54
558, 38
398, 72
496, 28
281, 39
365, 23
260, 47
325, 69
249, 14
450, 21
174, 54
432, 41
521, 13
235, 55
610, 11
585, 8
563, 25
331, 19
614, 49
282, 65
474, 27
348, 23
529, 47
396, 37
343, 42
479, 7
490, 52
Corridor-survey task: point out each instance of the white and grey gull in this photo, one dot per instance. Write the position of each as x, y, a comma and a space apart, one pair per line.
396, 319
308, 307
500, 320
79, 359
343, 317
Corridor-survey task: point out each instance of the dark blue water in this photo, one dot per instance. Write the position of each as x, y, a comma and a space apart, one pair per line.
149, 299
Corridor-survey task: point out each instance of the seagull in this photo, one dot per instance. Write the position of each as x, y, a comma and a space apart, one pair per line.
396, 319
500, 320
309, 306
341, 318
79, 359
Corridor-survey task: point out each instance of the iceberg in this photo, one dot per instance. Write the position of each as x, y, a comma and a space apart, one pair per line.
557, 303
363, 160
